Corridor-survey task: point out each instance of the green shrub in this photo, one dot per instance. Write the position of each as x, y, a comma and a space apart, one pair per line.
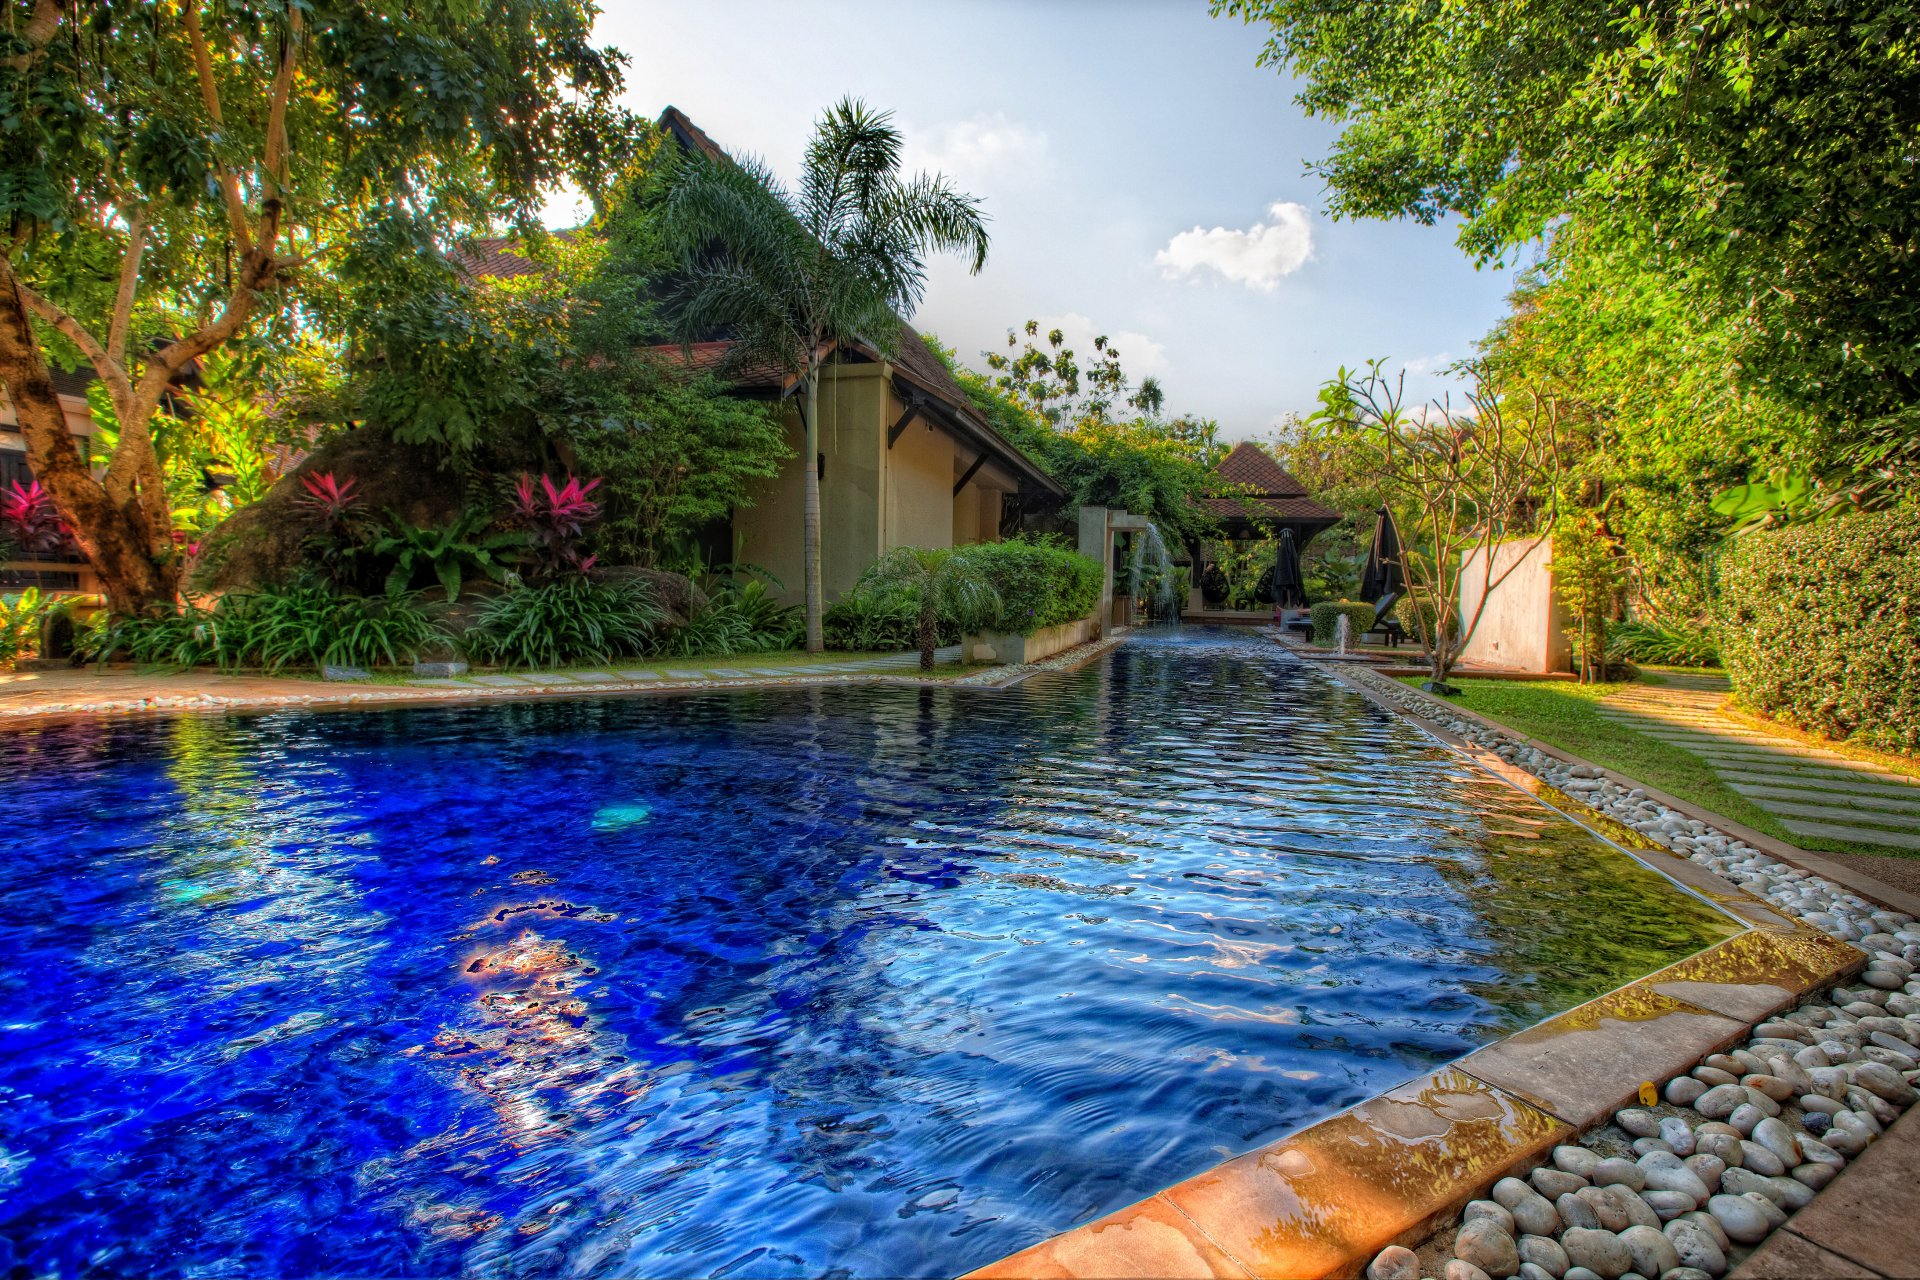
738, 618
20, 618
867, 621
301, 624
570, 619
1326, 619
1040, 583
1418, 617
1820, 626
1656, 644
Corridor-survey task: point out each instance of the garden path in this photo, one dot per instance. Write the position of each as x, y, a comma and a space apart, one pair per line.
1812, 791
667, 673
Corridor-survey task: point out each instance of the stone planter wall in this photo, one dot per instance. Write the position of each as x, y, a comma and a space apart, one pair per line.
1004, 647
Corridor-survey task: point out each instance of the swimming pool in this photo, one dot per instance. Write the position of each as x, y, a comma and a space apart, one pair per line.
873, 981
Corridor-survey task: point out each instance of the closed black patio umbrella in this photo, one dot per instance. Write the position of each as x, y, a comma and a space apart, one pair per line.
1383, 574
1289, 591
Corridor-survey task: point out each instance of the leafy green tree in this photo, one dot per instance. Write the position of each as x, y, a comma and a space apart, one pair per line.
940, 581
677, 456
1055, 383
1145, 464
793, 275
1738, 172
1586, 577
176, 172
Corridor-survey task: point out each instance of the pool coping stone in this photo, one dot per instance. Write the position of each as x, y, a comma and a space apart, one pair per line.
1324, 1200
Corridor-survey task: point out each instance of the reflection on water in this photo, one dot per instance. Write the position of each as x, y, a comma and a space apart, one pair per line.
871, 981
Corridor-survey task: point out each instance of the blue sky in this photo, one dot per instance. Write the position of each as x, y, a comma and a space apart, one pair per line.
1144, 179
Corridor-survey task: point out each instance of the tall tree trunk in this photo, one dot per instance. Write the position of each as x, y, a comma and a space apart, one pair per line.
117, 539
810, 539
929, 627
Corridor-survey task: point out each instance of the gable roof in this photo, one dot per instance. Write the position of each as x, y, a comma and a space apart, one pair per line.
927, 376
1258, 488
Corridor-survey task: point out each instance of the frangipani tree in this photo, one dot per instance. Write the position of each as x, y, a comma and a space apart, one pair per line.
793, 275
175, 170
1461, 482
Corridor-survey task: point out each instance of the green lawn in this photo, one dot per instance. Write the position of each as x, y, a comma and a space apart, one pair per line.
1564, 715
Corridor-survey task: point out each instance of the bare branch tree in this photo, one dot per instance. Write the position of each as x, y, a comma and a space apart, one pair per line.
1462, 482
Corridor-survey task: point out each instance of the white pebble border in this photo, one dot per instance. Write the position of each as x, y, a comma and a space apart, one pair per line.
1669, 1192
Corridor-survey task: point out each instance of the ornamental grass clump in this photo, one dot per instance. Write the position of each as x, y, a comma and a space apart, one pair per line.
569, 619
1820, 626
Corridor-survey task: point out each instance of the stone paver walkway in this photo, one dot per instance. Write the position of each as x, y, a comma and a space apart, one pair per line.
1813, 792
664, 675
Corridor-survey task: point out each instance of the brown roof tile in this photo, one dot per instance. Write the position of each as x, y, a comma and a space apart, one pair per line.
1254, 470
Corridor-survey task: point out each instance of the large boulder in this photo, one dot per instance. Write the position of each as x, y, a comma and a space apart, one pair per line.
264, 543
676, 593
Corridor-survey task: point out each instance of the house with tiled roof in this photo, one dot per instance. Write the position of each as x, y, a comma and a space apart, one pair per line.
905, 459
1254, 498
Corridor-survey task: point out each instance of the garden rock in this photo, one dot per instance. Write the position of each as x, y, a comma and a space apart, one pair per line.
1553, 1184
1653, 1254
1739, 1217
1395, 1262
1496, 1213
1487, 1247
1601, 1252
1575, 1211
1460, 1269
1696, 1247
1616, 1171
1545, 1253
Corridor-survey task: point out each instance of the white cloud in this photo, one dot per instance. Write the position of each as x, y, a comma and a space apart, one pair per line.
1140, 355
978, 146
1258, 256
1436, 363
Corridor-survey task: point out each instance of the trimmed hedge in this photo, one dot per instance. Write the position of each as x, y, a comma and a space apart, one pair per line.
1820, 626
1326, 619
1041, 584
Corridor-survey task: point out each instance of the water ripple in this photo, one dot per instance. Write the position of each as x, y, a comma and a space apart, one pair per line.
862, 982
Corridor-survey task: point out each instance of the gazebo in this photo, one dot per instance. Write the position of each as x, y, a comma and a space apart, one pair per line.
1256, 498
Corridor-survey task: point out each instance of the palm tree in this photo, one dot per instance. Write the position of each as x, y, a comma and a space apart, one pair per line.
939, 580
792, 275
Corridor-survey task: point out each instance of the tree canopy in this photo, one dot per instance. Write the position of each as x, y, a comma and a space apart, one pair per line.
175, 172
1743, 171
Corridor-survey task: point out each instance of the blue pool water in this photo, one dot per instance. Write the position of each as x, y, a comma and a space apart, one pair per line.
858, 981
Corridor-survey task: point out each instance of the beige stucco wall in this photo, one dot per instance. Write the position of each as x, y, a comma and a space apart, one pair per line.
1524, 627
918, 480
768, 533
873, 498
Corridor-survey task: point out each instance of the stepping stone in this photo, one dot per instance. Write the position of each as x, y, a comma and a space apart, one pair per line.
1843, 813
772, 671
595, 677
1859, 835
641, 675
1842, 783
687, 675
1805, 796
548, 677
729, 672
439, 684
503, 682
